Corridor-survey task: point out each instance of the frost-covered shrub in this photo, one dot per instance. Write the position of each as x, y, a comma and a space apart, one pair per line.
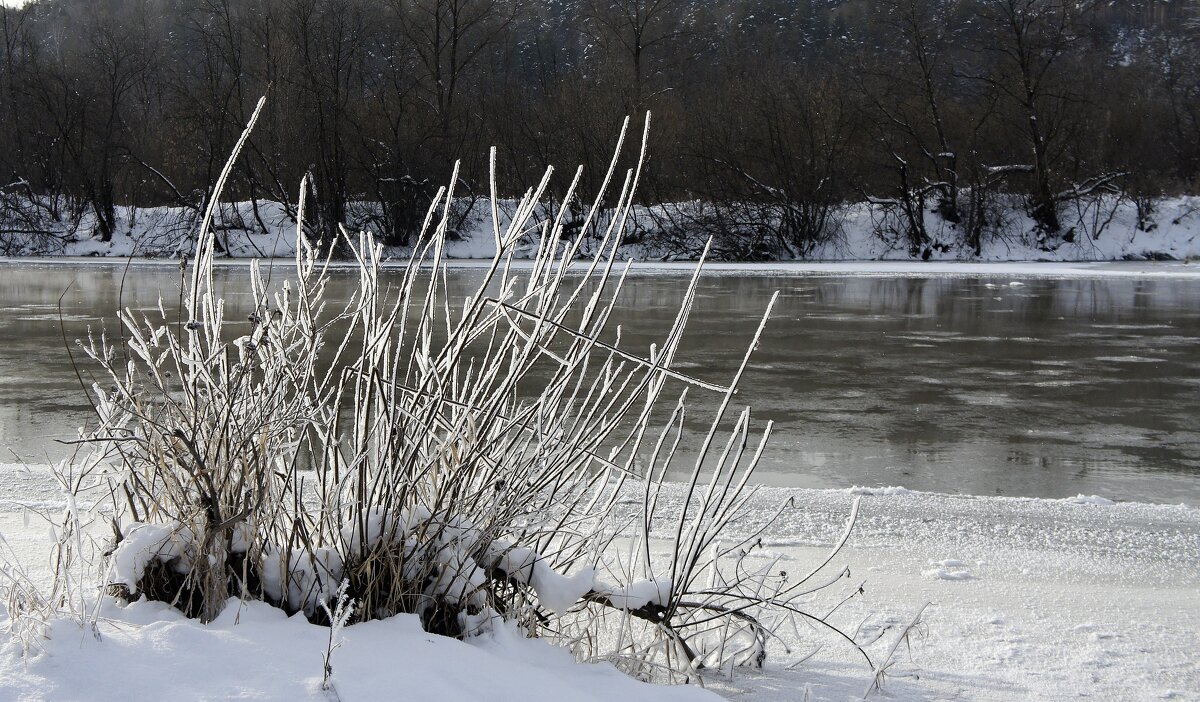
460, 459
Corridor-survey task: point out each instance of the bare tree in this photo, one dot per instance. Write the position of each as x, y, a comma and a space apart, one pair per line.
1032, 39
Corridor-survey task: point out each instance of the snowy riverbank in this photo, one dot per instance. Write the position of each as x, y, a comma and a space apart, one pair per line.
1172, 270
1105, 231
1028, 599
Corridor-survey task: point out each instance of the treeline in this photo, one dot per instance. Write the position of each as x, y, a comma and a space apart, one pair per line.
769, 115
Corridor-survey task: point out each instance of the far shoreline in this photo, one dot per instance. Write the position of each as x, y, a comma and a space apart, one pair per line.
825, 268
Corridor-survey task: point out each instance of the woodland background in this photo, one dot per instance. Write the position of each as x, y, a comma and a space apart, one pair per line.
769, 116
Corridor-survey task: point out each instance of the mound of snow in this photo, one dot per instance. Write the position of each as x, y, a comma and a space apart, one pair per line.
144, 543
949, 569
149, 651
1089, 500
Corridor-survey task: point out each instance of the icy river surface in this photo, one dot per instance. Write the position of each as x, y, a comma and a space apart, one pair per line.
978, 380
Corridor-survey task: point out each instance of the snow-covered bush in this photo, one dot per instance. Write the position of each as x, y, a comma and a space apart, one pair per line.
459, 458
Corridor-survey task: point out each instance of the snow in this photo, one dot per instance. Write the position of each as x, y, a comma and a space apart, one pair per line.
149, 651
1010, 581
306, 579
1029, 599
889, 491
517, 562
459, 579
144, 543
638, 594
948, 569
313, 579
557, 592
1174, 234
1089, 500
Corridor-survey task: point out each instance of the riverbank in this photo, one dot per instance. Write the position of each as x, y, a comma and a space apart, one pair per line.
1027, 599
1108, 229
1151, 270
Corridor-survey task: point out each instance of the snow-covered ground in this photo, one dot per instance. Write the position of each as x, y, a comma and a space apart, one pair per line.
1027, 599
149, 651
1171, 233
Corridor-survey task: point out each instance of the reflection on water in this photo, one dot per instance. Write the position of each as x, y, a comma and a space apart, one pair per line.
955, 384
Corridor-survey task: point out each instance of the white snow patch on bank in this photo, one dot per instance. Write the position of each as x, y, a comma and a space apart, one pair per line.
1094, 500
149, 651
948, 569
890, 491
267, 231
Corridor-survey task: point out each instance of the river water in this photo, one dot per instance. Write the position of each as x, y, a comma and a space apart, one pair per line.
983, 383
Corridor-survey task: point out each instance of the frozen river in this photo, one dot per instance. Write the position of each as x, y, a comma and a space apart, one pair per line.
982, 380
